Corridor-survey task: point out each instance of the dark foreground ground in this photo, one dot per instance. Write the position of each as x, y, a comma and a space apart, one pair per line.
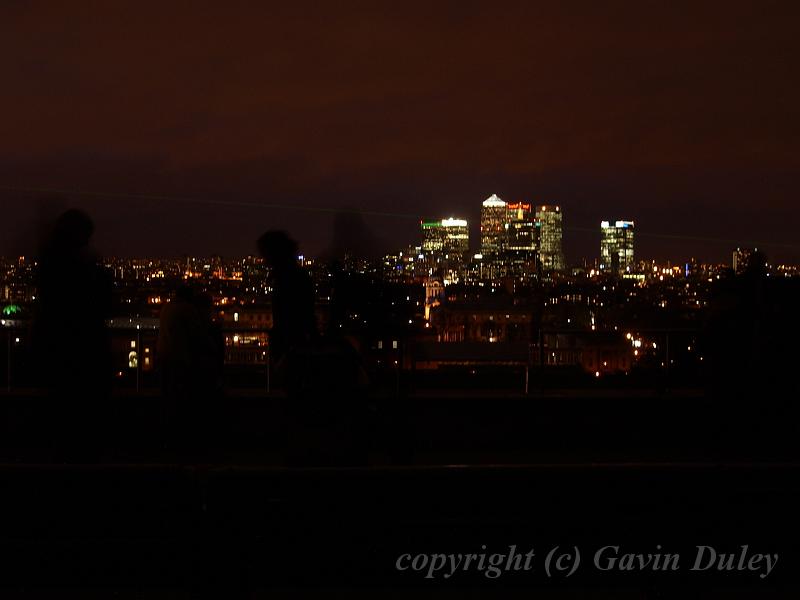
265, 503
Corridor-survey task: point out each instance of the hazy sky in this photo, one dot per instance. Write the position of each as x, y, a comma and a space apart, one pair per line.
680, 116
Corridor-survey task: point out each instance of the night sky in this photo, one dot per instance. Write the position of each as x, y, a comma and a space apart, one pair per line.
173, 121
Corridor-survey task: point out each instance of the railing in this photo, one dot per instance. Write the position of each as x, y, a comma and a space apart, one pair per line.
135, 355
15, 336
640, 358
654, 352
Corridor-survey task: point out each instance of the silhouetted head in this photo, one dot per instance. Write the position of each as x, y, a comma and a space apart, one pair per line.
203, 302
352, 236
756, 265
278, 249
184, 293
73, 230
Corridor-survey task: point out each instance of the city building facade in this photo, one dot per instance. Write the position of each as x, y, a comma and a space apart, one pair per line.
494, 216
616, 246
551, 253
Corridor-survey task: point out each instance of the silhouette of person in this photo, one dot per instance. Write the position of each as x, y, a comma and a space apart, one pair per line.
751, 332
321, 373
190, 354
293, 321
343, 344
70, 335
216, 342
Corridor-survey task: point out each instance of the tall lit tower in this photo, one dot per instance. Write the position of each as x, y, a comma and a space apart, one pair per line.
445, 246
518, 211
616, 246
551, 252
494, 216
445, 236
521, 242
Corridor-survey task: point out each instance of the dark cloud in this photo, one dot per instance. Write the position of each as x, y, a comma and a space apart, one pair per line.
679, 115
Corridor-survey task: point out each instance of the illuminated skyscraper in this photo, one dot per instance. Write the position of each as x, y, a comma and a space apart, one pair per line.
445, 247
616, 246
445, 236
551, 253
519, 211
494, 216
520, 252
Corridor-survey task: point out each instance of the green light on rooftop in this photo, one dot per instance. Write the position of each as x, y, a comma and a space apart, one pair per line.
11, 309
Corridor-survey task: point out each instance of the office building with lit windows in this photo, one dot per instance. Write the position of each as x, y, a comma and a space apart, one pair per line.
445, 246
551, 254
494, 216
616, 246
520, 248
445, 236
519, 211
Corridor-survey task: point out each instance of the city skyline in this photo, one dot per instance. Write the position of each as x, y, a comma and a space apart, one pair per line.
582, 241
317, 298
